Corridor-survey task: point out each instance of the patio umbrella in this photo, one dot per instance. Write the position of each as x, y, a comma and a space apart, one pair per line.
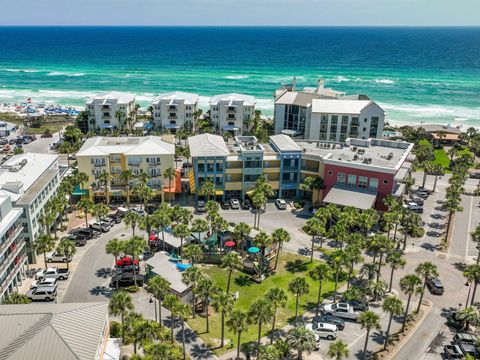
182, 267
153, 237
230, 244
253, 250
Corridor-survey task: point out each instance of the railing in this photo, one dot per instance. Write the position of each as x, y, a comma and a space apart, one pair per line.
133, 164
290, 168
7, 242
9, 278
12, 255
311, 169
99, 164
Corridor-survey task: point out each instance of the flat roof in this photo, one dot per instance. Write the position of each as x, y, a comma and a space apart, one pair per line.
233, 97
344, 197
189, 98
284, 143
9, 219
378, 153
113, 96
70, 331
161, 265
19, 173
299, 98
147, 145
339, 106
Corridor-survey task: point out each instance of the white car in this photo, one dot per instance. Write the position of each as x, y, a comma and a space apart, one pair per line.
341, 310
57, 257
234, 204
281, 204
324, 330
44, 282
415, 207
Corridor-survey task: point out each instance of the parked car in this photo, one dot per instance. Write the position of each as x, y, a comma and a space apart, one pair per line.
78, 239
56, 273
225, 205
201, 206
324, 330
43, 293
330, 319
234, 204
100, 227
357, 305
11, 142
109, 221
117, 218
3, 141
475, 175
281, 204
435, 286
344, 312
415, 207
417, 200
453, 352
246, 205
85, 232
46, 135
422, 193
127, 279
44, 282
125, 261
454, 322
57, 257
469, 349
464, 338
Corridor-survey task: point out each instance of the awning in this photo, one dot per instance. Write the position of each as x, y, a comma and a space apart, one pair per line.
345, 197
106, 126
218, 192
172, 126
399, 190
139, 125
79, 192
230, 128
402, 174
288, 132
176, 183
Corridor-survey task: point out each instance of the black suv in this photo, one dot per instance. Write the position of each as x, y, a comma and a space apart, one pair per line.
78, 239
117, 218
246, 205
435, 286
85, 232
225, 205
127, 279
330, 319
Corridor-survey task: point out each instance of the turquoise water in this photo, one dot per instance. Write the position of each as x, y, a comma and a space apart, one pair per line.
415, 74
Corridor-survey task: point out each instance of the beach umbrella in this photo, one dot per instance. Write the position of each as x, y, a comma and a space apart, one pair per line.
253, 250
152, 237
230, 244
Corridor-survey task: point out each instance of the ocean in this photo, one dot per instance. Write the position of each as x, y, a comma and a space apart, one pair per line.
416, 74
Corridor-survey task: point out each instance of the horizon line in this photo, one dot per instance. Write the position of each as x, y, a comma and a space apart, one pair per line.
238, 26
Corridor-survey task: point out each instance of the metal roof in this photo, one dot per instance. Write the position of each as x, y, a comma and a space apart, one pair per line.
232, 98
344, 197
205, 145
52, 331
147, 145
284, 143
339, 106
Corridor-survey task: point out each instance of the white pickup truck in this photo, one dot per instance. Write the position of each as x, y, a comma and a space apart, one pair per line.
341, 310
56, 273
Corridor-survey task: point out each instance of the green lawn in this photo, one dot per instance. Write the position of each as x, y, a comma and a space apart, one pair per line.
441, 158
250, 291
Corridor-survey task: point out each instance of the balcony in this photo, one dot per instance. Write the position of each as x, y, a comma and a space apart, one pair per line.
310, 169
290, 168
155, 163
10, 276
231, 110
134, 164
12, 236
99, 164
20, 245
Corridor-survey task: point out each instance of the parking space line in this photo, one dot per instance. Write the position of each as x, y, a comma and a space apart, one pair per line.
468, 229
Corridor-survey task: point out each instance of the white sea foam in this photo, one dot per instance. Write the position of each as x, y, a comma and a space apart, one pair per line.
22, 70
60, 73
236, 77
385, 81
341, 79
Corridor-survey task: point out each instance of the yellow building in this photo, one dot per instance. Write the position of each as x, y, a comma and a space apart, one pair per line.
148, 155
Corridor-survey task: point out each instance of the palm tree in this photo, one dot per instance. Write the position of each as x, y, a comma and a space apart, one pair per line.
170, 174
219, 225
171, 302
385, 246
259, 200
159, 287
263, 240
192, 277
207, 189
410, 285
181, 231
279, 237
105, 178
301, 339
314, 227
425, 271
182, 312
367, 219
338, 350
144, 193
320, 273
472, 273
199, 226
240, 231
193, 252
206, 289
16, 298
394, 306
222, 303
162, 220
161, 350
437, 170
396, 261
238, 323
45, 243
135, 246
369, 321
132, 219
260, 312
353, 255
231, 261
336, 261
278, 298
85, 204
67, 248
99, 211
468, 315
298, 287
126, 176
115, 247
313, 184
120, 304
268, 352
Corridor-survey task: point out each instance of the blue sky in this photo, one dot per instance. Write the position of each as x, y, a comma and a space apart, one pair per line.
241, 12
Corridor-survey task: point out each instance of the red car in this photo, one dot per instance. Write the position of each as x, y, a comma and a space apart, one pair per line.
126, 261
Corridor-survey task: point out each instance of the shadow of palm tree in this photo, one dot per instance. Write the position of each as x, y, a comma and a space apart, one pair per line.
168, 322
101, 291
201, 352
104, 272
295, 266
460, 266
243, 280
378, 337
190, 336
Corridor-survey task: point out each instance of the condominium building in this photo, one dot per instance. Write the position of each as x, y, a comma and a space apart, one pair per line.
175, 110
150, 155
232, 112
338, 119
359, 173
72, 331
108, 111
12, 247
30, 180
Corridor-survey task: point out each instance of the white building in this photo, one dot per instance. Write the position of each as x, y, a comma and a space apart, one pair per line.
30, 180
109, 111
12, 247
291, 110
339, 119
174, 110
232, 112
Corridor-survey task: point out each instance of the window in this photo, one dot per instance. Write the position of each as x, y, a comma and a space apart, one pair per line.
340, 178
173, 114
373, 184
385, 181
334, 119
362, 182
352, 180
330, 173
344, 120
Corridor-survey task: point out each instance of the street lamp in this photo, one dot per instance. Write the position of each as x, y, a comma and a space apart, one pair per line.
154, 306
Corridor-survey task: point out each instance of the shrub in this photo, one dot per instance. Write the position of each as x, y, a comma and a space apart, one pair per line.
115, 329
417, 232
132, 289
